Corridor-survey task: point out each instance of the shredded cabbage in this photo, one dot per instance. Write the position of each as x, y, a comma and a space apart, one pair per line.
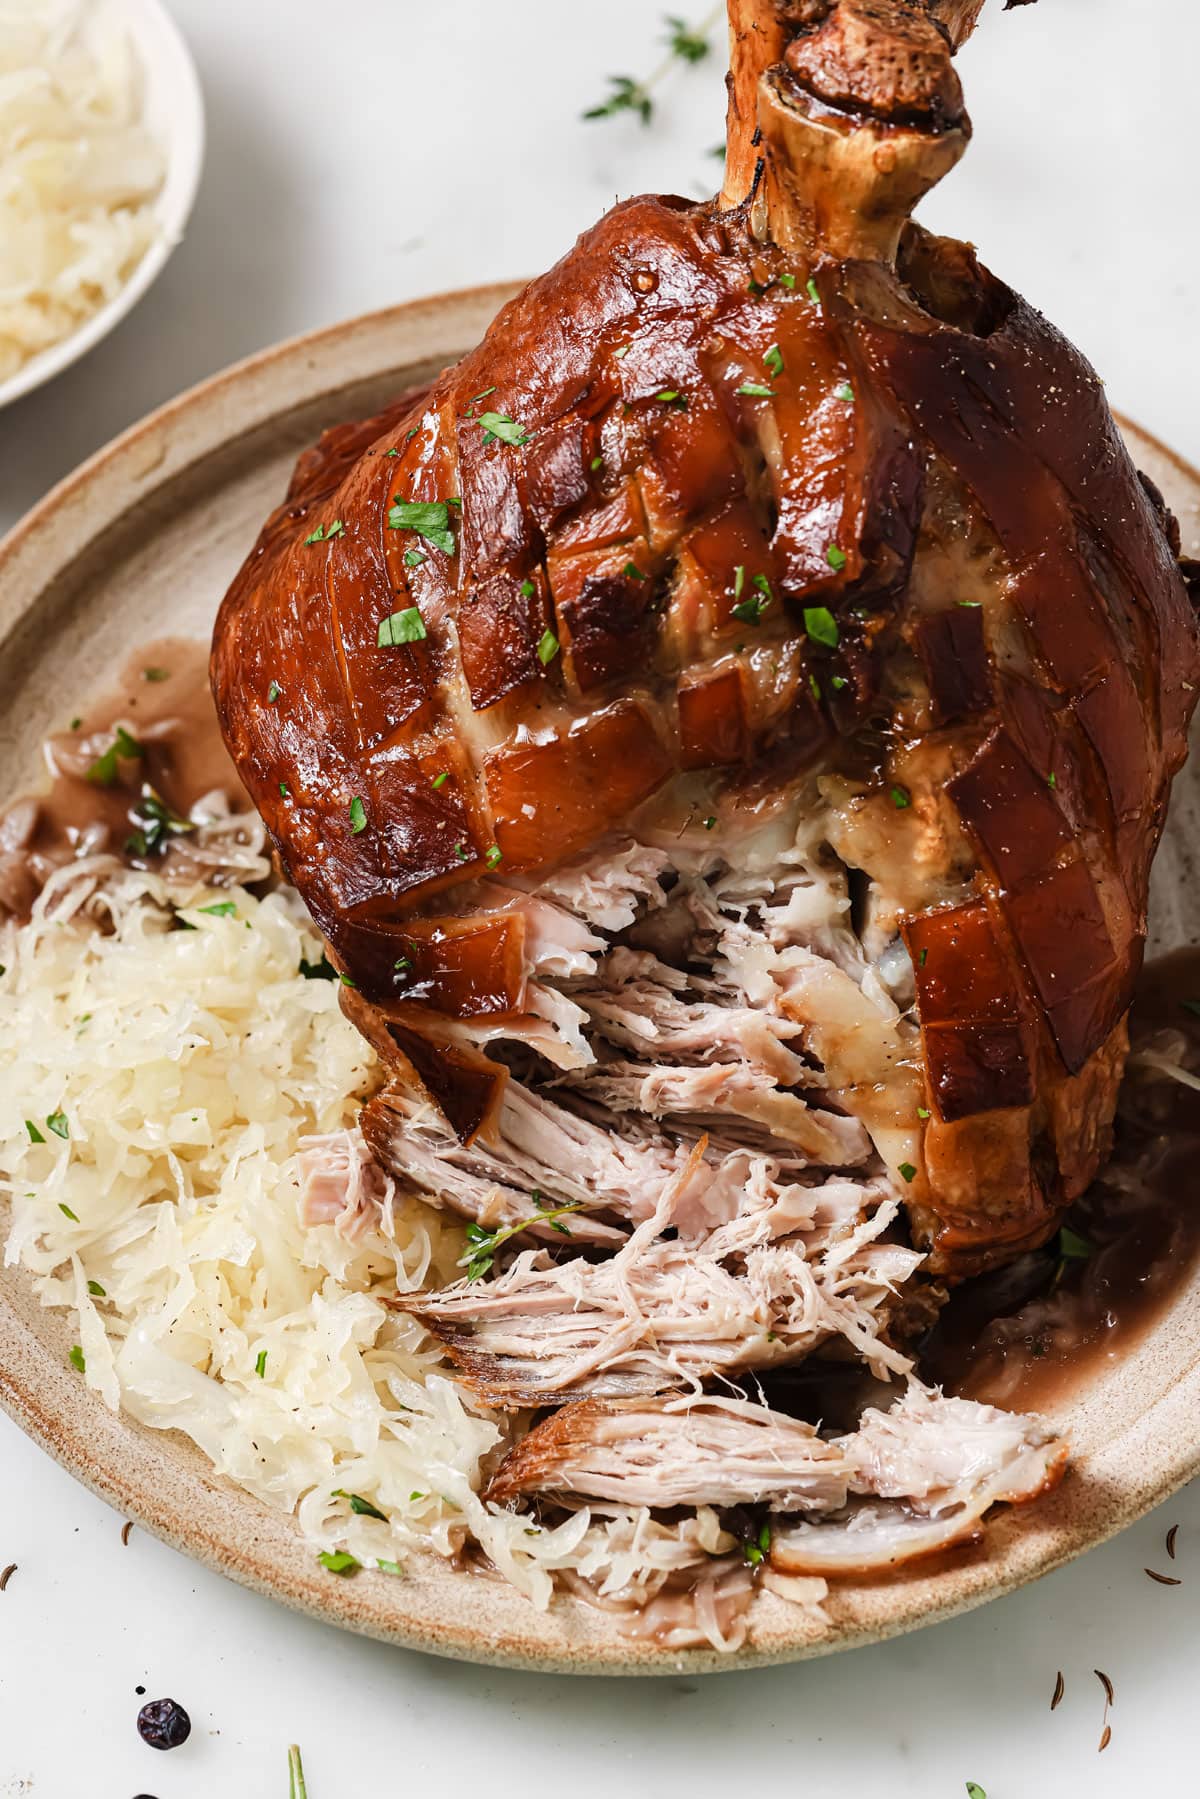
79, 172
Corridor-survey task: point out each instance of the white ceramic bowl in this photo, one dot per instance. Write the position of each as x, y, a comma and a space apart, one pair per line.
175, 117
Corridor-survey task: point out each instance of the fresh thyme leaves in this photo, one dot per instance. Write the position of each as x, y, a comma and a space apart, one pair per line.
482, 1245
57, 1122
296, 1786
686, 44
498, 425
318, 971
362, 1508
77, 1358
821, 626
339, 1561
154, 824
836, 558
751, 609
430, 519
773, 360
325, 533
548, 647
358, 815
123, 748
908, 1171
401, 627
757, 1548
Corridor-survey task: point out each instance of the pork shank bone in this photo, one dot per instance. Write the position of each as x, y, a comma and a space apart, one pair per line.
459, 656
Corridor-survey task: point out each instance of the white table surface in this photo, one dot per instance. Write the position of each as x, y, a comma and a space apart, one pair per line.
382, 149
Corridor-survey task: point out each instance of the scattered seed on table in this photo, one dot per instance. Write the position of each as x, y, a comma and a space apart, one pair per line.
1106, 1683
125, 1530
7, 1575
163, 1724
1164, 1580
1059, 1689
1171, 1536
1105, 1739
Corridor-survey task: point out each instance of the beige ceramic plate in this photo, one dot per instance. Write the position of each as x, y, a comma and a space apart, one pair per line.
140, 543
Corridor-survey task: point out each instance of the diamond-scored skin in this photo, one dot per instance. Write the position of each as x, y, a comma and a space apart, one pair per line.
720, 426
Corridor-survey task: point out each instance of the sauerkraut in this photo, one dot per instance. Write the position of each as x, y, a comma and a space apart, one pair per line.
79, 171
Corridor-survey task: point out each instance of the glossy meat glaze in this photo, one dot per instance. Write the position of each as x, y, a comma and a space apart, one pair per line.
772, 494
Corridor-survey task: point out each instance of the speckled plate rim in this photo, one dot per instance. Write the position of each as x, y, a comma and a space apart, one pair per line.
166, 1486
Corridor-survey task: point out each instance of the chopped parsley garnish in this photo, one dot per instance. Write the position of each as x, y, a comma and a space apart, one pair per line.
548, 647
358, 815
155, 823
499, 425
757, 1548
922, 1112
339, 1561
633, 572
220, 909
430, 519
156, 674
494, 856
123, 748
96, 1290
811, 290
901, 798
260, 1364
440, 780
57, 1122
318, 971
362, 1508
751, 609
283, 789
844, 392
273, 692
324, 533
773, 360
908, 1171
392, 452
527, 589
77, 1358
627, 95
836, 558
482, 1245
386, 1567
35, 1136
596, 462
414, 558
66, 1211
838, 681
755, 390
402, 962
788, 281
821, 626
401, 627
415, 1495
670, 396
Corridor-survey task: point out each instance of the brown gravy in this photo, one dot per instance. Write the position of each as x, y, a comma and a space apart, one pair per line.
1034, 1334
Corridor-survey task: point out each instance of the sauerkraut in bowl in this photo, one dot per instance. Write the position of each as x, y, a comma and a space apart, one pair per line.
101, 138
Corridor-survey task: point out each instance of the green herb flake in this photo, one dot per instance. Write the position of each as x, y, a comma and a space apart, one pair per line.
788, 281
415, 1495
710, 822
1051, 779
414, 558
627, 95
75, 723
975, 1791
339, 1561
260, 1364
527, 590
836, 558
480, 1253
386, 1567
773, 360
816, 688
923, 958
96, 1290
35, 1136
1071, 1246
156, 674
494, 856
460, 850
123, 748
57, 1122
758, 1547
66, 1211
810, 288
596, 462
922, 1112
844, 392
430, 519
901, 798
498, 425
739, 581
77, 1358
685, 41
548, 648
821, 626
401, 627
908, 1171
358, 815
633, 572
362, 1508
392, 452
346, 981
754, 390
318, 971
326, 533
838, 681
440, 780
1192, 1006
284, 790
220, 909
751, 609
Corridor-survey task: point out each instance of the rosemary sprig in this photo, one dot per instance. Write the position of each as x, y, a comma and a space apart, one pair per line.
482, 1245
685, 43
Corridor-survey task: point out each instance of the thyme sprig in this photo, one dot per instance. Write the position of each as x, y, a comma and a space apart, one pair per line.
685, 44
482, 1245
